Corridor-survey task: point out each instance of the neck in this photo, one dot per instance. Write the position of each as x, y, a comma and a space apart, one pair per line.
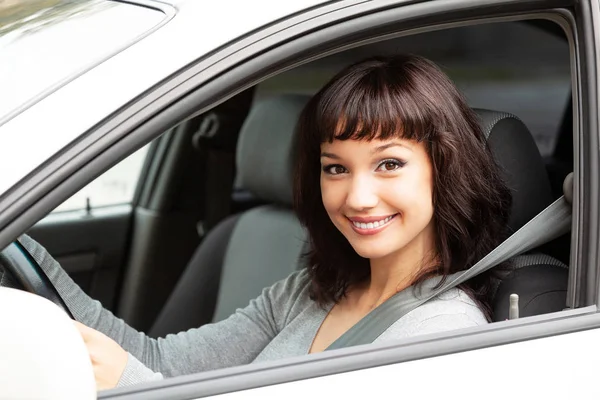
395, 272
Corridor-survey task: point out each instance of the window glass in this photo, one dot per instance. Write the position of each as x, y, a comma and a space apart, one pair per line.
115, 186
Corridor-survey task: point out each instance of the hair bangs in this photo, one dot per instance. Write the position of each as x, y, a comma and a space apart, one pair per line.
375, 107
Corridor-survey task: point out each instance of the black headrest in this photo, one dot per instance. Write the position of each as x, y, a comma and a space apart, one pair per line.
518, 156
264, 154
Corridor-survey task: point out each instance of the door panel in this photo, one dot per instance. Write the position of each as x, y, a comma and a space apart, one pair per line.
526, 370
90, 246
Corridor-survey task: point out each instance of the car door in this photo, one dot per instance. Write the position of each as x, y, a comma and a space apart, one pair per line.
472, 352
521, 358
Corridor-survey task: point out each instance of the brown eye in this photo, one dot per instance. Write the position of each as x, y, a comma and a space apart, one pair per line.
390, 165
334, 169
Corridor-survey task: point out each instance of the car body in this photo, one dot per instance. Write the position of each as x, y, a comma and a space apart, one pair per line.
180, 59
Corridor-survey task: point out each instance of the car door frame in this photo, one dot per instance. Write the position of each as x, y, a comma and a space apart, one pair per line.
582, 318
585, 287
218, 77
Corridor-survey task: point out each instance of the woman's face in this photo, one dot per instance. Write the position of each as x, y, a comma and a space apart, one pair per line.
379, 194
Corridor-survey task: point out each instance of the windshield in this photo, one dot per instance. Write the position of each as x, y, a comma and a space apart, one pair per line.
46, 43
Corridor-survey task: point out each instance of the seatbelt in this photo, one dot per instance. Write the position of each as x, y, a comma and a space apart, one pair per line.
552, 222
219, 173
216, 139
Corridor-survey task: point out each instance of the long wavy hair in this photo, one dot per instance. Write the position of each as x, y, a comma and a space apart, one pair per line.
409, 97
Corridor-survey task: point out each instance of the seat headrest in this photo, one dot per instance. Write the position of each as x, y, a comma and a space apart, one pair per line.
264, 153
518, 156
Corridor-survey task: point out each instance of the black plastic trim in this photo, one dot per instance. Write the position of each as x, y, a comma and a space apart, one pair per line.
586, 190
595, 19
147, 171
573, 291
151, 170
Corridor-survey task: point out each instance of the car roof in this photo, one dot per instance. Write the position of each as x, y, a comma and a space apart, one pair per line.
193, 29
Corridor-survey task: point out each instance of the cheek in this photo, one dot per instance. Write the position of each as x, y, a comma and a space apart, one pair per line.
413, 194
424, 191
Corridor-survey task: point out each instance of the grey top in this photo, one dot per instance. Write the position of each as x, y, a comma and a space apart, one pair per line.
281, 322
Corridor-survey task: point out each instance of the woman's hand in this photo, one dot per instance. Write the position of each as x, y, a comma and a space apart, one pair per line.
108, 358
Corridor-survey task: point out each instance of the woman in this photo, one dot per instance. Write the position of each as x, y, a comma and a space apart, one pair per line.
394, 183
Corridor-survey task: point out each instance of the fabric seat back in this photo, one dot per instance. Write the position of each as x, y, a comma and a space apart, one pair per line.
249, 251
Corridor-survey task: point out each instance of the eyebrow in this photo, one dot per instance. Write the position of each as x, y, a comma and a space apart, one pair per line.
330, 155
378, 149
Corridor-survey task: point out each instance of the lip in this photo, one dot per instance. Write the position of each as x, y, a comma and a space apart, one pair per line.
366, 220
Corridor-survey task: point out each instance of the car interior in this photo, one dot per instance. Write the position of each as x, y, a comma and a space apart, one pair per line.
211, 223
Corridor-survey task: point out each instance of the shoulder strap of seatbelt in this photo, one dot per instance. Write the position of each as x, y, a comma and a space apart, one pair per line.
549, 224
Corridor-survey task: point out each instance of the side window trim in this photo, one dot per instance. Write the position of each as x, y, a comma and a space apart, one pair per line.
586, 227
115, 187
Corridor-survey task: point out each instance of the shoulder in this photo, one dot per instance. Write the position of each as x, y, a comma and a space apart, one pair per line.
455, 304
297, 283
451, 310
290, 296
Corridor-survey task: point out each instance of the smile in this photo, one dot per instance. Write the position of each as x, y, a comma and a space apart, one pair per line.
370, 227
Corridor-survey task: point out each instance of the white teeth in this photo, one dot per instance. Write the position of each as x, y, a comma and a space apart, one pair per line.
372, 225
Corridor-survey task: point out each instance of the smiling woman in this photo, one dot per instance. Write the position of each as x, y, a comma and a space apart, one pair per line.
399, 201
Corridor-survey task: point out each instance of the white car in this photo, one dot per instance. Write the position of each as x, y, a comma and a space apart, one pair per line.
119, 152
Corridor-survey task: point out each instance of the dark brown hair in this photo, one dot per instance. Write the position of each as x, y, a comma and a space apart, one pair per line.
407, 96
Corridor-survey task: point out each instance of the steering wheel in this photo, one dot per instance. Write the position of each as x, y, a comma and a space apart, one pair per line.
21, 266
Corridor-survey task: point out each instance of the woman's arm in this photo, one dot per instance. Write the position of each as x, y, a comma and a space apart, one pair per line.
234, 341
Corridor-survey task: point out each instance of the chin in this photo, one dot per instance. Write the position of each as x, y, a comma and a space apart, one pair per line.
369, 251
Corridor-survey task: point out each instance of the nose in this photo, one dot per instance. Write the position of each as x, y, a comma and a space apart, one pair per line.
362, 193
